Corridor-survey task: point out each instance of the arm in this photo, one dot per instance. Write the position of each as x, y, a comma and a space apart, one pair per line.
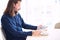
27, 26
12, 29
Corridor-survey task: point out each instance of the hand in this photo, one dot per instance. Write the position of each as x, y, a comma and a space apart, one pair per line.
36, 33
38, 27
41, 27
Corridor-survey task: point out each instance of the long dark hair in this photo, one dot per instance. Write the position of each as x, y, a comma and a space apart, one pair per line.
9, 9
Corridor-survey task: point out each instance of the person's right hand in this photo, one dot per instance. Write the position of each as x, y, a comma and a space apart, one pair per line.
36, 33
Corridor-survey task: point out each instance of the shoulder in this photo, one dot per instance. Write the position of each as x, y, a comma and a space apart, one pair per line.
4, 17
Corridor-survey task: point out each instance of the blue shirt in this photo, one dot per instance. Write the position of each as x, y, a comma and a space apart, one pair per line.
13, 27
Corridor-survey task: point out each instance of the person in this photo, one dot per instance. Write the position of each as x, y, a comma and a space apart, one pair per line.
12, 23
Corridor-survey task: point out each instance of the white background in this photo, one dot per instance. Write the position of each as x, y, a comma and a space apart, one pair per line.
36, 12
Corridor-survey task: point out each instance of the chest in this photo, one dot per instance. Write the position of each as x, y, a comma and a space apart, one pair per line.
17, 21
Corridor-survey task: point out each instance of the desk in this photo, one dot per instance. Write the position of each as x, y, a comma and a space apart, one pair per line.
37, 38
53, 35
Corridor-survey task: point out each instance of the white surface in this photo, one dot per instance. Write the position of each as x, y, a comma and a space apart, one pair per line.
53, 35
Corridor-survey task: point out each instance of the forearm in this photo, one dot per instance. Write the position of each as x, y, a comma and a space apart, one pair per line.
27, 26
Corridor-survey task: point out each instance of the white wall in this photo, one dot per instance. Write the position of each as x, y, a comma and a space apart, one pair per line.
44, 12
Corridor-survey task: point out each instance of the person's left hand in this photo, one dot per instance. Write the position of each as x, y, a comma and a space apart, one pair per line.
42, 27
38, 27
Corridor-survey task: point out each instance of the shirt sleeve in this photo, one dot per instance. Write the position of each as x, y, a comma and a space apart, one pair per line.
27, 26
12, 29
